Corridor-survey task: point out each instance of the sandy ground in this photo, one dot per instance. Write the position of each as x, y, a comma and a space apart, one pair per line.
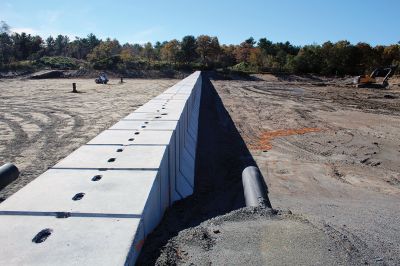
330, 155
41, 122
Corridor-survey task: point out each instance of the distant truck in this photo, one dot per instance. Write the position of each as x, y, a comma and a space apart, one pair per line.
102, 79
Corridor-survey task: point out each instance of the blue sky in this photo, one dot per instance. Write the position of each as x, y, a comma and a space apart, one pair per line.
300, 22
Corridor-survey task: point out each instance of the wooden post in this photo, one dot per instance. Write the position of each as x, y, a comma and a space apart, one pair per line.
74, 88
122, 80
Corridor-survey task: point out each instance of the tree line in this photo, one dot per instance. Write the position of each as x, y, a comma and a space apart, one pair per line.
201, 52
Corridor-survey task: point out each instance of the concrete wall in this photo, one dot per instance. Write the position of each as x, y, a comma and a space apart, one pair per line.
96, 206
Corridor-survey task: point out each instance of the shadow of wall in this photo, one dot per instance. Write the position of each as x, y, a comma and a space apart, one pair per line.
221, 157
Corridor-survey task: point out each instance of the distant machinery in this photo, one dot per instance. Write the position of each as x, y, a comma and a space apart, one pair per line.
370, 81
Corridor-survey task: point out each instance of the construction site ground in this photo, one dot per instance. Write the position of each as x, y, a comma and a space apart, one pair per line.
329, 153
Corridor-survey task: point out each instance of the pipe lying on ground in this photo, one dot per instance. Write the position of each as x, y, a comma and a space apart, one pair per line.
8, 173
255, 189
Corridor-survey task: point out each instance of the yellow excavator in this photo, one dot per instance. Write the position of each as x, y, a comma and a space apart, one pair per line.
372, 81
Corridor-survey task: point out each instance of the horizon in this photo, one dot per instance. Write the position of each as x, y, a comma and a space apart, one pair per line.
141, 23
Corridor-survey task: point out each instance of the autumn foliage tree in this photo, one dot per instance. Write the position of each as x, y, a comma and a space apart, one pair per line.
170, 50
204, 51
208, 48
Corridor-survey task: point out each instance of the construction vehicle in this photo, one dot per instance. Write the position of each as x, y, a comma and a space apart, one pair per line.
102, 79
372, 81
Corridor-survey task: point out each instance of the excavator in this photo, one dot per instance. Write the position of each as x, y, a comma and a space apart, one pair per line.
371, 81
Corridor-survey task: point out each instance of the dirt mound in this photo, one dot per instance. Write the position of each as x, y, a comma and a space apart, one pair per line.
47, 74
258, 236
90, 73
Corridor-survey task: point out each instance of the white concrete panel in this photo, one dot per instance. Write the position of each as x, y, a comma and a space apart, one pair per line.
142, 125
153, 116
110, 195
154, 107
73, 241
134, 137
183, 187
100, 157
187, 166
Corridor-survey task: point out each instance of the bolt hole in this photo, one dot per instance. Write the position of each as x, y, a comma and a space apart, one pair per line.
137, 133
164, 114
111, 160
78, 196
42, 236
131, 139
62, 215
120, 150
143, 126
97, 177
146, 122
163, 108
158, 117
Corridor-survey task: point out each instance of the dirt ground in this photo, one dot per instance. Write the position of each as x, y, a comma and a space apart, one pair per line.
41, 122
330, 154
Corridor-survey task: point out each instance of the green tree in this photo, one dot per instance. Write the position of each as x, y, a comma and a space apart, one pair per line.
61, 45
4, 27
148, 51
188, 48
106, 54
6, 44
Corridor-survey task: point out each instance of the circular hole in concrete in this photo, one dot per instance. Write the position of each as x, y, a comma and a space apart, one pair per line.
143, 126
146, 122
137, 133
97, 177
111, 160
164, 114
131, 139
78, 196
120, 150
42, 236
158, 117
